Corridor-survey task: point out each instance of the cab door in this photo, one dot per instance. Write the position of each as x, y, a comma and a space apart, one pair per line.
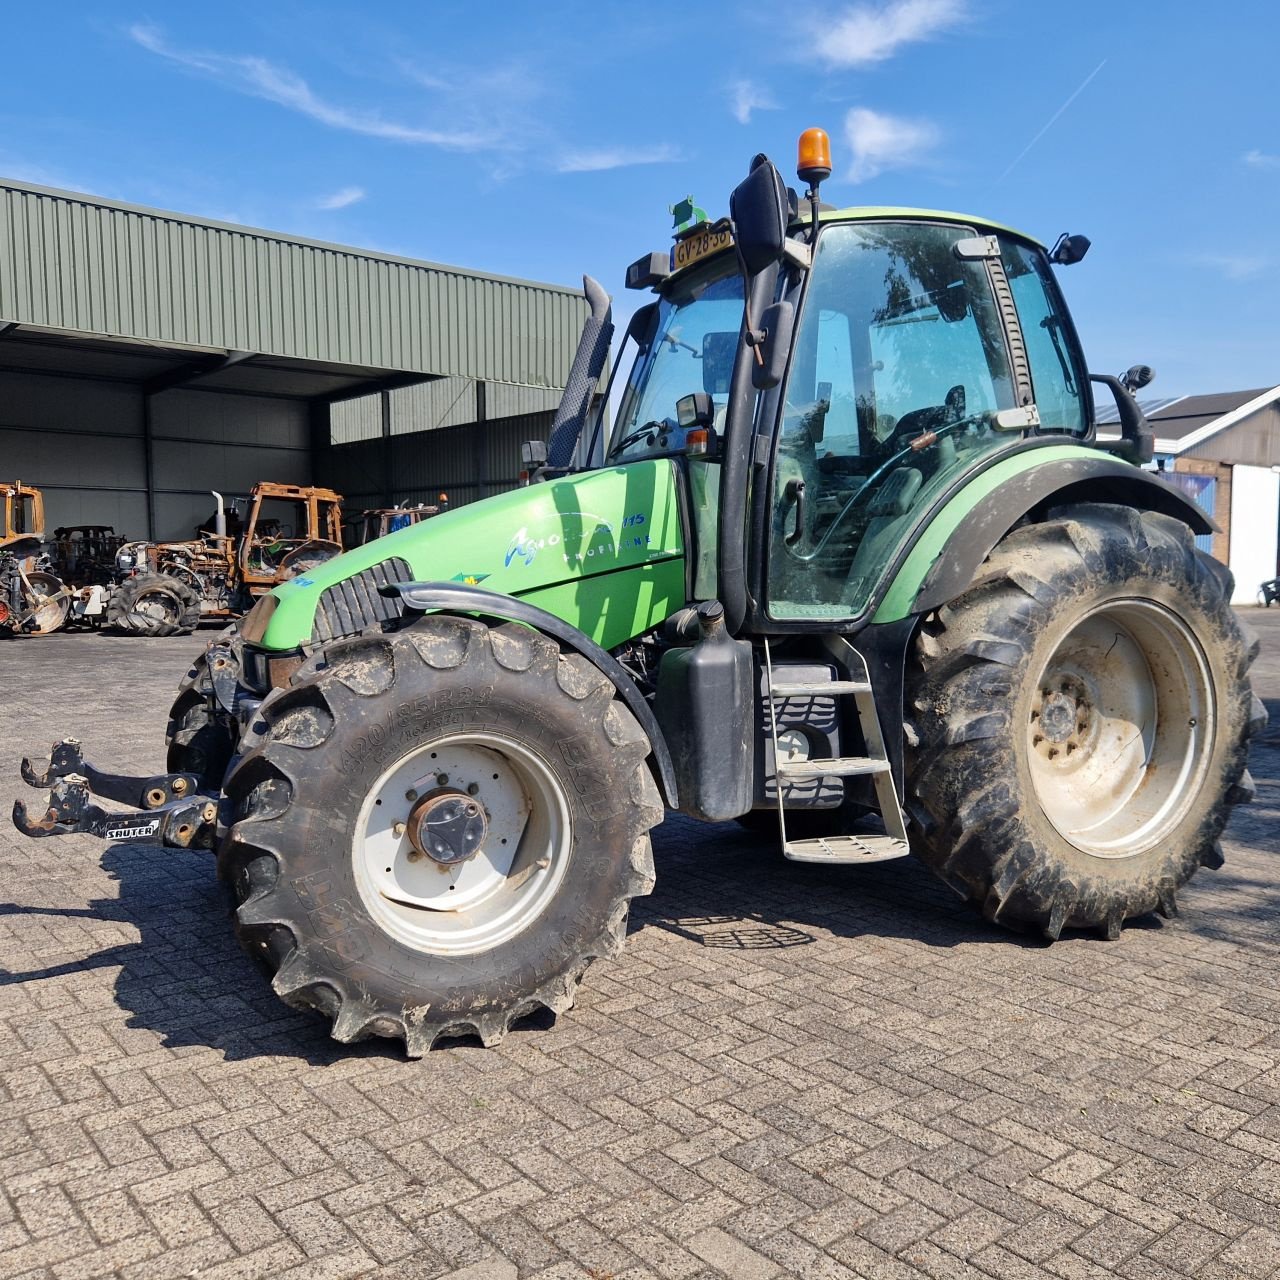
900, 361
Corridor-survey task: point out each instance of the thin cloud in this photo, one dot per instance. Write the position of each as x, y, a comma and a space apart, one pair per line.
746, 97
343, 198
1053, 119
865, 35
258, 78
1256, 159
1236, 266
880, 142
601, 158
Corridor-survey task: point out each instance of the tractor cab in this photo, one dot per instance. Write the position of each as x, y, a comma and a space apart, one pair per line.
287, 528
21, 513
880, 355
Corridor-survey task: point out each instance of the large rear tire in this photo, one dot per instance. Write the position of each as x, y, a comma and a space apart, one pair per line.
525, 761
154, 604
1081, 719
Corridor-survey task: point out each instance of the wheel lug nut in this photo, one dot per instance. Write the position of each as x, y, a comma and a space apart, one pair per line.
398, 829
411, 794
473, 788
442, 778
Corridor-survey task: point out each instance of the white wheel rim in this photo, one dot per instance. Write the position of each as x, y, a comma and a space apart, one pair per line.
48, 612
481, 902
1121, 728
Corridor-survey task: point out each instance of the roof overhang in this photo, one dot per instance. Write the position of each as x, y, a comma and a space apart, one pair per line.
156, 367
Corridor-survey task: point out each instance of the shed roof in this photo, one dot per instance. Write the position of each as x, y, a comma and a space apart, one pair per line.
77, 265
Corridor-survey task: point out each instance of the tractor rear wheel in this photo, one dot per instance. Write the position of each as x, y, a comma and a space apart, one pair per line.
1081, 718
436, 831
154, 604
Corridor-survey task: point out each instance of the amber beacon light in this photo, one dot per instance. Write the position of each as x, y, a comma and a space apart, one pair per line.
813, 165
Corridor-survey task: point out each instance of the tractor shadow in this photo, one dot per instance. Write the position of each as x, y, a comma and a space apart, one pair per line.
727, 888
723, 887
186, 978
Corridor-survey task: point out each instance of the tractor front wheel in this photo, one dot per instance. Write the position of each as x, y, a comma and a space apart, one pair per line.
436, 831
1081, 718
154, 604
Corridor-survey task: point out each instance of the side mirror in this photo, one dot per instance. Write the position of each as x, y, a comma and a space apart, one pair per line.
1068, 250
533, 453
759, 208
777, 322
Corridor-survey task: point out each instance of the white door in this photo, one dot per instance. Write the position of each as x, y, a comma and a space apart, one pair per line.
1255, 501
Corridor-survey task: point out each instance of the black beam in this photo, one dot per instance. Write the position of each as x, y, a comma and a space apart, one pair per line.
393, 382
195, 369
387, 478
482, 438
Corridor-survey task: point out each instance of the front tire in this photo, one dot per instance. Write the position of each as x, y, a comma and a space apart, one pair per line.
1081, 715
154, 604
525, 761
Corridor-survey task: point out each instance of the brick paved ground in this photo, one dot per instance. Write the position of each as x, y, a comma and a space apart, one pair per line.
792, 1071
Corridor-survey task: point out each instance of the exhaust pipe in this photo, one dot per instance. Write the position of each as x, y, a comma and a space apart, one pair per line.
588, 364
220, 519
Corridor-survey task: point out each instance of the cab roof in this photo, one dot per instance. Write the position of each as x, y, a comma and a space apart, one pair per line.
876, 213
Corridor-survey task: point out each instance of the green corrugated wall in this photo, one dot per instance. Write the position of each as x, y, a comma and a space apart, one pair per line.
97, 267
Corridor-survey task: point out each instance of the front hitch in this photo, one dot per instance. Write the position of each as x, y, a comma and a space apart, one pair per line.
181, 824
66, 761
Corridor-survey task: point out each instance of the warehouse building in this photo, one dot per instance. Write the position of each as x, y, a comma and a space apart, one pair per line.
1223, 450
149, 357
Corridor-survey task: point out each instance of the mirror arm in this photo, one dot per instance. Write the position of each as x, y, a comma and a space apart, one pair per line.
1137, 440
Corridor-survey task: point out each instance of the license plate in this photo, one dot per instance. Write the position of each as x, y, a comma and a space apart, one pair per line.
702, 244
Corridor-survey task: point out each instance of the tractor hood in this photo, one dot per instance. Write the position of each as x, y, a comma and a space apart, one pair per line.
603, 550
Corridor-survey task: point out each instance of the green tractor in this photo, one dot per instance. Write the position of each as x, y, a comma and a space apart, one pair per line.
849, 565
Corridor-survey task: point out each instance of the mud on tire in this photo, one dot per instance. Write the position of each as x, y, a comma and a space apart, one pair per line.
340, 739
153, 604
988, 783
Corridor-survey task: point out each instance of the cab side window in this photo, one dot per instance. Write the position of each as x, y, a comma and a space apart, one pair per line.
1059, 383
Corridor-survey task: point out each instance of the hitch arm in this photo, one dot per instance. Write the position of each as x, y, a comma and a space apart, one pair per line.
181, 824
66, 760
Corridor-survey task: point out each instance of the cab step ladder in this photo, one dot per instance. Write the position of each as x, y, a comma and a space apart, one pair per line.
839, 848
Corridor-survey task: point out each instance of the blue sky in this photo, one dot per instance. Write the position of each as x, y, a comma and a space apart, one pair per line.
547, 140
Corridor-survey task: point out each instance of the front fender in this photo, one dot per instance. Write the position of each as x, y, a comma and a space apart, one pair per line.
450, 597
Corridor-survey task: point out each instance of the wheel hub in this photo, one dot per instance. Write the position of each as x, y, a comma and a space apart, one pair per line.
447, 826
1062, 717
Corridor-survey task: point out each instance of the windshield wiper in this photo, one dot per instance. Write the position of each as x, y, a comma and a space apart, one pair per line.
1053, 324
639, 433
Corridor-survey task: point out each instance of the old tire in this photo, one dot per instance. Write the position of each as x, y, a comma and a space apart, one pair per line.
319, 862
1081, 716
195, 740
154, 604
50, 614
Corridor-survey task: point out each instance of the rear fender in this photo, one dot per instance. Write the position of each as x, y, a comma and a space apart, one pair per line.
1034, 492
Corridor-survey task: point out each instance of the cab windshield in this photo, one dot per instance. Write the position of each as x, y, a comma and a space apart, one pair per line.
692, 348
